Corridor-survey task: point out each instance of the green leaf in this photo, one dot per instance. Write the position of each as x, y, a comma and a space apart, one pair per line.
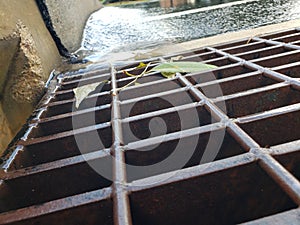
82, 92
182, 67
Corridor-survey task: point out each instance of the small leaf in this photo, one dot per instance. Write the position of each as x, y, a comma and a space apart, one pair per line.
177, 58
168, 75
182, 67
128, 74
82, 92
141, 65
137, 84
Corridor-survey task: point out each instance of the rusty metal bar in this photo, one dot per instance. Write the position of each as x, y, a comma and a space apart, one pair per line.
259, 94
121, 201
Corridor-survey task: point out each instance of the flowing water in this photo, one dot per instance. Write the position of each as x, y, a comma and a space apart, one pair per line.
150, 24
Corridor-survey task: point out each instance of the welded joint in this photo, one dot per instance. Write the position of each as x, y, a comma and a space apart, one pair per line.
38, 113
28, 131
259, 151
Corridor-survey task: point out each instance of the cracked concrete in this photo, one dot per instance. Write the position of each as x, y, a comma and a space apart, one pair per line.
26, 85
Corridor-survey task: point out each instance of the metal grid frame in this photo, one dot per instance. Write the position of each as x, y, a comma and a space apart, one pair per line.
45, 180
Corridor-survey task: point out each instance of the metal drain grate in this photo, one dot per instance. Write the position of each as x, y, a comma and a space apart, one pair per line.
248, 109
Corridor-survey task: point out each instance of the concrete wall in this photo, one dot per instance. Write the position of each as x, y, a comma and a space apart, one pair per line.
28, 54
69, 18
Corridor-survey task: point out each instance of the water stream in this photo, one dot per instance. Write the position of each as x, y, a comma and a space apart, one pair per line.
150, 24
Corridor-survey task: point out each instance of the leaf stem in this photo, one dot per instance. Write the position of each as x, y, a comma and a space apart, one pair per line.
135, 79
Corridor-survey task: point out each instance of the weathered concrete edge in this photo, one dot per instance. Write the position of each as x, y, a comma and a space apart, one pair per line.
229, 37
66, 21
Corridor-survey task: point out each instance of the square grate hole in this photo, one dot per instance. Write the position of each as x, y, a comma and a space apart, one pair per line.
152, 88
50, 185
274, 130
291, 161
58, 124
260, 101
45, 151
291, 71
237, 85
152, 103
165, 123
189, 150
278, 60
246, 193
218, 74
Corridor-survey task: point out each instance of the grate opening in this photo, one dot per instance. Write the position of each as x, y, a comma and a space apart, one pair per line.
150, 104
202, 51
291, 161
82, 82
69, 106
237, 44
234, 86
288, 38
279, 34
291, 71
63, 147
246, 193
223, 61
62, 96
85, 80
245, 48
296, 43
150, 89
279, 60
153, 154
59, 125
142, 80
202, 57
69, 94
275, 130
99, 212
252, 103
165, 123
84, 74
219, 73
271, 51
50, 185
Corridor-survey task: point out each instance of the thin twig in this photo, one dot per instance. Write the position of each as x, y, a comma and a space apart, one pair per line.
136, 78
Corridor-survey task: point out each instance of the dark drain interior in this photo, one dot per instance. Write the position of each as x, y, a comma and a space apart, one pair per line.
216, 147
